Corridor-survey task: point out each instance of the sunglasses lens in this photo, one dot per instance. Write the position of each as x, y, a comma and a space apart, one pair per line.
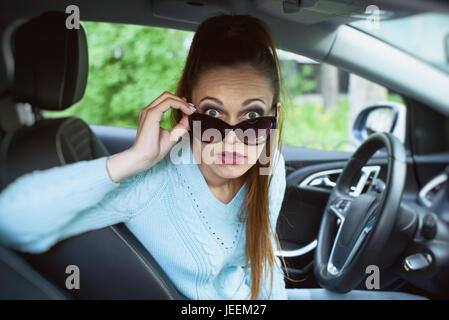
206, 128
256, 131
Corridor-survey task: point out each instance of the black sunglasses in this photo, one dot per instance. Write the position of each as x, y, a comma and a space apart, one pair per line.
250, 132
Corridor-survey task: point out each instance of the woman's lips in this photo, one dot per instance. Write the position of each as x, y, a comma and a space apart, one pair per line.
230, 157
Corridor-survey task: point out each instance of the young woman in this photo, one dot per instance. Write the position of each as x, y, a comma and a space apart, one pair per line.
202, 198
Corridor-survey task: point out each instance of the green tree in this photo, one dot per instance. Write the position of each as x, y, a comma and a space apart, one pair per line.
129, 66
299, 79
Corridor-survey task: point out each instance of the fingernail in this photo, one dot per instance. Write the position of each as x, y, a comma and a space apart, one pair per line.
192, 107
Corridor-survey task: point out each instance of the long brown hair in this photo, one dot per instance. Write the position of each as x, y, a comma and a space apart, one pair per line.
233, 40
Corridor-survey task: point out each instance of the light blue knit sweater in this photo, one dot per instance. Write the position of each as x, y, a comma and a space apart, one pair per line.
196, 238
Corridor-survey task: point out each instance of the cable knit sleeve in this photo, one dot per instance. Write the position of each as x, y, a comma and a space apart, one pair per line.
43, 207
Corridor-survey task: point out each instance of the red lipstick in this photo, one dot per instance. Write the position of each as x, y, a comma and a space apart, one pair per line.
227, 157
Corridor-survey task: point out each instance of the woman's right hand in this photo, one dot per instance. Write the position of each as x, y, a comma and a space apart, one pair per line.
152, 141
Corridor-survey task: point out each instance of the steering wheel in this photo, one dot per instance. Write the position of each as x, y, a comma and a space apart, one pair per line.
355, 229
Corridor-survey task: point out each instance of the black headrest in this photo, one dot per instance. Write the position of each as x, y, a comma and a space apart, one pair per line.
51, 62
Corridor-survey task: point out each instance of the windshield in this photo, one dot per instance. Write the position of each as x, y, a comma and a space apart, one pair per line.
426, 36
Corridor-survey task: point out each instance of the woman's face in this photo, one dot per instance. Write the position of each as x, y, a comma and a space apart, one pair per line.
232, 94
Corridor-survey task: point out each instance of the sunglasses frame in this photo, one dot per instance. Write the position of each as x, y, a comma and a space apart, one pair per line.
225, 125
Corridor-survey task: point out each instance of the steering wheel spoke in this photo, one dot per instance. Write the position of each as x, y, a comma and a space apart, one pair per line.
341, 256
340, 207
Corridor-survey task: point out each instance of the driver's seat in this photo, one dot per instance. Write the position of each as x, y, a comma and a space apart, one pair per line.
51, 66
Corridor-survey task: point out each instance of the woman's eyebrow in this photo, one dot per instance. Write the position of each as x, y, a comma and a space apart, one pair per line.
246, 105
213, 99
246, 102
252, 100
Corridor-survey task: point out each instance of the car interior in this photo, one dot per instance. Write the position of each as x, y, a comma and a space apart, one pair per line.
44, 66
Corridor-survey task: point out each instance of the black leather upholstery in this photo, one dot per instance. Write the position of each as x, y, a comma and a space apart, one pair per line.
51, 62
48, 143
113, 263
20, 281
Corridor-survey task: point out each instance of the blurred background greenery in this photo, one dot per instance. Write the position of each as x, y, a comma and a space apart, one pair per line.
129, 66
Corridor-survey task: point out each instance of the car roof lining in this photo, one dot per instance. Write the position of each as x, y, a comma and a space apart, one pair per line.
315, 41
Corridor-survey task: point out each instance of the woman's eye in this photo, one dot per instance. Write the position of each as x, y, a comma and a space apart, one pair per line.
212, 112
253, 114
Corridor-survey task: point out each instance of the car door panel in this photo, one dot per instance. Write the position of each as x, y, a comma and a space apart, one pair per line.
115, 139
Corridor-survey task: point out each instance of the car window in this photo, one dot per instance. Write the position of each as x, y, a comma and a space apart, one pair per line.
323, 101
130, 65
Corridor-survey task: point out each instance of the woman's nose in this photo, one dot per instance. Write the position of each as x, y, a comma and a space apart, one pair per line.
230, 137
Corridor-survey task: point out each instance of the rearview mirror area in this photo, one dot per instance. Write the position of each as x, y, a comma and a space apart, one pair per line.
383, 117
